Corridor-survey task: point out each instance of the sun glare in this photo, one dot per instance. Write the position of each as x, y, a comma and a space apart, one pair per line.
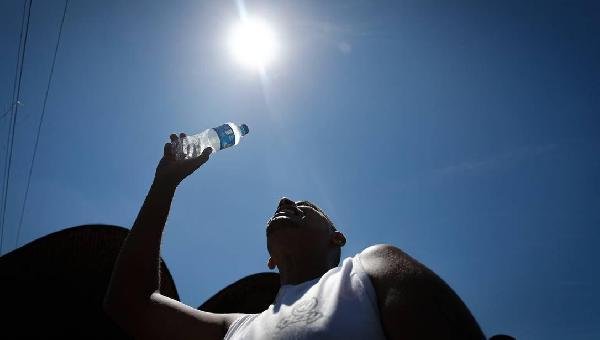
253, 43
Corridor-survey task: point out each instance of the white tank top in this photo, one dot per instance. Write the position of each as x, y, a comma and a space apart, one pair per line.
341, 304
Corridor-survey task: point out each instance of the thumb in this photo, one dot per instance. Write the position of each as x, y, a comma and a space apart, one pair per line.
204, 156
206, 152
196, 162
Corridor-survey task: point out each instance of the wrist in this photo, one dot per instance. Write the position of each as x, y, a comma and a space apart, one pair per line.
163, 185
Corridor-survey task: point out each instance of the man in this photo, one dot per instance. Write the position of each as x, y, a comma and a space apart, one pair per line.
379, 293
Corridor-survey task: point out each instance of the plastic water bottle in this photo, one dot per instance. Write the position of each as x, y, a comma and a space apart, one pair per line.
218, 138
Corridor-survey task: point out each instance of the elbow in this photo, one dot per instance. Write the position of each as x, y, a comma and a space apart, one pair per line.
122, 308
115, 306
120, 313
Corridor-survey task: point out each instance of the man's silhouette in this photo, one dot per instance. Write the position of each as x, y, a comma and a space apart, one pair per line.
379, 293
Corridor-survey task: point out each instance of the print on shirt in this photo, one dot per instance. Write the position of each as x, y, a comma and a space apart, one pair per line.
304, 312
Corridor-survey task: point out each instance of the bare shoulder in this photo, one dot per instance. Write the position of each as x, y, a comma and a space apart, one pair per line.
385, 260
415, 302
390, 268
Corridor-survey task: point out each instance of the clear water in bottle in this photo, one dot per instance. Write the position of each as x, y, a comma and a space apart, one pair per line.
217, 138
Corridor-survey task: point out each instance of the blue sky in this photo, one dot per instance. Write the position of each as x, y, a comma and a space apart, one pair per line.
465, 133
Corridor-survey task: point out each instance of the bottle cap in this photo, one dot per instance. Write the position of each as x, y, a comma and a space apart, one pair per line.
244, 129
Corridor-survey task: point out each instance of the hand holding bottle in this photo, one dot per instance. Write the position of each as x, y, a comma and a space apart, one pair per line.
171, 171
218, 138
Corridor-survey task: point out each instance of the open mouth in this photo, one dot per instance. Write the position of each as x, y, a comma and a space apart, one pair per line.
289, 212
287, 215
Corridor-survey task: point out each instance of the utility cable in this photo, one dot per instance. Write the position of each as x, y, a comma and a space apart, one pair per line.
13, 123
11, 110
37, 135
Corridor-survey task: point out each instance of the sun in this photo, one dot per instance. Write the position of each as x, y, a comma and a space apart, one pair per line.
253, 43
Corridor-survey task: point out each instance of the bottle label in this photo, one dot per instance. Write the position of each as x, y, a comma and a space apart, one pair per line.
226, 135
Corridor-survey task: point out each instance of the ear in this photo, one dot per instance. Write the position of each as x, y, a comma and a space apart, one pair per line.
271, 263
338, 238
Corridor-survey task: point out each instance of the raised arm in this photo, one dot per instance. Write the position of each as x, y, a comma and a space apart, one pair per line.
415, 303
133, 298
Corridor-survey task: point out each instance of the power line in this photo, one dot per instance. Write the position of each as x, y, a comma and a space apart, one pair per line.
11, 110
37, 135
11, 131
8, 135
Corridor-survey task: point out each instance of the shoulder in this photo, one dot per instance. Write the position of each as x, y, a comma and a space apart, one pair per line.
385, 260
378, 251
415, 302
391, 269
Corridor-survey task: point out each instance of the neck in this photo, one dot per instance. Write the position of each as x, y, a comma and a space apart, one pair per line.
294, 271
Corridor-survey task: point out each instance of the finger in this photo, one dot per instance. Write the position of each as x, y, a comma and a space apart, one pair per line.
173, 137
168, 151
182, 135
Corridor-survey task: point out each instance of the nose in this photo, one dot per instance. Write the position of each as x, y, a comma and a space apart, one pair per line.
285, 201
